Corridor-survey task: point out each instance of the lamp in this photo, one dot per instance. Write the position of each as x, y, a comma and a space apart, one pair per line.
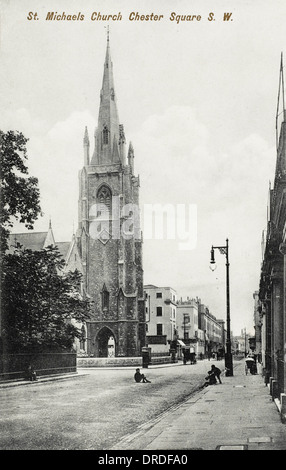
228, 355
212, 261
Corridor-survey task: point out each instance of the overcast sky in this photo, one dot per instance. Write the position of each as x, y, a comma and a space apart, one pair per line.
197, 100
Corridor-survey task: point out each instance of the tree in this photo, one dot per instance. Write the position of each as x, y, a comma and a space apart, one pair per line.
40, 302
19, 196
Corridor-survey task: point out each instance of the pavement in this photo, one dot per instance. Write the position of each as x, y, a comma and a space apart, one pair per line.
238, 414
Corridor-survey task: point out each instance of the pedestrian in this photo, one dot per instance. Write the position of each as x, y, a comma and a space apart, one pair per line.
184, 357
210, 379
216, 372
31, 373
138, 377
187, 355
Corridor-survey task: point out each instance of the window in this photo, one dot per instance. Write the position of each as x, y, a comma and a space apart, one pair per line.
104, 199
105, 135
159, 295
159, 311
105, 298
159, 329
186, 318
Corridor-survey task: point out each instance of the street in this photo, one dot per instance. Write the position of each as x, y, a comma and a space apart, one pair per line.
95, 410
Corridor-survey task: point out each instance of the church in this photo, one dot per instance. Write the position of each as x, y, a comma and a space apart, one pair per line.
107, 246
108, 235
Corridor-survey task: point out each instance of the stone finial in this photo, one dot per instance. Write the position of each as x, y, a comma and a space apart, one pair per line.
131, 157
85, 138
86, 147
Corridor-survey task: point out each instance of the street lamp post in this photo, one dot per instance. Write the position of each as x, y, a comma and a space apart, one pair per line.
228, 356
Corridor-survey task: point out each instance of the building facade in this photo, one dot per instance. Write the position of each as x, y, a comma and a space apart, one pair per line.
257, 325
161, 318
109, 236
214, 332
241, 343
188, 326
271, 295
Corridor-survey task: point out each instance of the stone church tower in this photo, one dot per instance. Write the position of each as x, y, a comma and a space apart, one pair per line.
109, 234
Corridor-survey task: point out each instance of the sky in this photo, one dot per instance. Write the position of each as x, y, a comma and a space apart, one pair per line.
198, 102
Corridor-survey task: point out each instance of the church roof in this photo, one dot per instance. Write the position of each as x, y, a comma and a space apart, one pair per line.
37, 241
63, 248
31, 240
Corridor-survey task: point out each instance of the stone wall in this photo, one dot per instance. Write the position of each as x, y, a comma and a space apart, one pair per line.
119, 361
14, 366
109, 361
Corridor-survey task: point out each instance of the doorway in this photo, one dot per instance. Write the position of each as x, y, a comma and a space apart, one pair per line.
106, 343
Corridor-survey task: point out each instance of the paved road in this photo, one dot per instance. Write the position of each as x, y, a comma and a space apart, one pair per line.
92, 411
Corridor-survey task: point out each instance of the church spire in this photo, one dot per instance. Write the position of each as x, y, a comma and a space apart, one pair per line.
86, 147
281, 112
49, 240
108, 122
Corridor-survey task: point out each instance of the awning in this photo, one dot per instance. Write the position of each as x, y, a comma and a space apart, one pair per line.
181, 343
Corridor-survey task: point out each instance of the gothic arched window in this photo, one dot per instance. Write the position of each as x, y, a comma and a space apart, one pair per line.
105, 298
105, 133
104, 197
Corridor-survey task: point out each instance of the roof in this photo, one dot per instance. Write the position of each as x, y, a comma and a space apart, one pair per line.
151, 286
33, 241
63, 248
37, 241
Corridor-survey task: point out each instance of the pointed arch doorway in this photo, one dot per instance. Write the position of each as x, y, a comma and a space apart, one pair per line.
106, 343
